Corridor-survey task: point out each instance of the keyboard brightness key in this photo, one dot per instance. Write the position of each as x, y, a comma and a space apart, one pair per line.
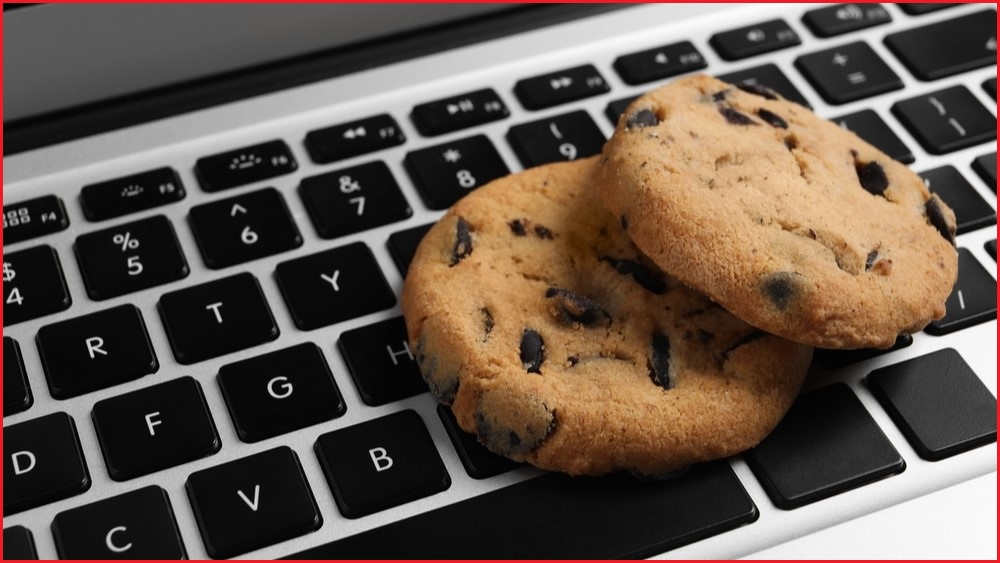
973, 300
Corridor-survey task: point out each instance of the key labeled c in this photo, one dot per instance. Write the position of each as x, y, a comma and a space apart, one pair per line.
109, 540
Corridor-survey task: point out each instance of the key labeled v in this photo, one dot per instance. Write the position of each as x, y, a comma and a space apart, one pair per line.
256, 498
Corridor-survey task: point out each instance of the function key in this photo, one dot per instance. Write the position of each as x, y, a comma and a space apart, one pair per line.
973, 300
916, 9
130, 194
354, 138
243, 228
16, 391
986, 167
869, 126
33, 218
971, 210
42, 463
659, 63
554, 88
459, 112
244, 166
960, 44
446, 172
616, 108
33, 285
569, 136
18, 544
130, 257
845, 18
848, 73
381, 362
353, 199
947, 120
768, 75
754, 40
403, 245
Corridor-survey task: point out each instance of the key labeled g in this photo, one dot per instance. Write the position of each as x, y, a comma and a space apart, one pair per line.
279, 391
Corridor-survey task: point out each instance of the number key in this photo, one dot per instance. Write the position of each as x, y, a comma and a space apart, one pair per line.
444, 173
33, 285
564, 137
353, 199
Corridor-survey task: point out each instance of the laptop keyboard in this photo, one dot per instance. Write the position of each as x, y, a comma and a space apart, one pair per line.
198, 374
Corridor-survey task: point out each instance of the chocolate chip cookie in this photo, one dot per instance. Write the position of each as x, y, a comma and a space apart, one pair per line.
557, 342
790, 222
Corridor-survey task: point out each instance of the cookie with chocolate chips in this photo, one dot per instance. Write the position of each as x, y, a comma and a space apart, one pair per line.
558, 343
790, 222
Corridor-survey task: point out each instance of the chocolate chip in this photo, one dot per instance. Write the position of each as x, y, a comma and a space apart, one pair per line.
938, 220
578, 309
870, 260
500, 436
463, 242
779, 288
649, 279
734, 117
642, 118
487, 323
791, 143
720, 95
532, 351
573, 360
659, 361
517, 227
543, 232
772, 119
759, 90
872, 177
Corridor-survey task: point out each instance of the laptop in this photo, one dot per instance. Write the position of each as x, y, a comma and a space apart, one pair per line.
209, 211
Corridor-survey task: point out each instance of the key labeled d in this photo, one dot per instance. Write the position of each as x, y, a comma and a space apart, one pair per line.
28, 461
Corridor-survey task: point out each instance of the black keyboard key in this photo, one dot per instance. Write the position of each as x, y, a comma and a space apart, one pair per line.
917, 9
18, 544
33, 218
244, 166
973, 300
971, 210
403, 245
938, 402
947, 120
616, 108
986, 167
616, 516
839, 19
279, 392
217, 318
353, 200
333, 286
659, 63
139, 524
848, 73
16, 390
766, 75
381, 362
479, 462
33, 285
991, 248
833, 359
130, 194
991, 88
95, 351
446, 172
244, 228
569, 136
554, 88
869, 126
354, 138
381, 463
754, 40
948, 47
458, 112
154, 428
826, 444
252, 502
130, 257
42, 463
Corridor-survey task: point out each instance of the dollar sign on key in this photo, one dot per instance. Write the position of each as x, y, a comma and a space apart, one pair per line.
8, 272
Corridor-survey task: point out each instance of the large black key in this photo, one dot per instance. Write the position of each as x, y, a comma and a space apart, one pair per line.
243, 166
973, 300
659, 63
569, 136
16, 391
918, 9
217, 318
18, 544
754, 40
33, 285
768, 75
381, 463
244, 228
33, 218
131, 194
947, 120
616, 516
560, 87
354, 138
948, 47
833, 359
130, 257
252, 502
381, 362
444, 173
848, 73
869, 126
479, 462
136, 525
353, 199
156, 427
838, 19
986, 167
42, 463
403, 245
95, 351
458, 112
938, 402
280, 392
826, 444
971, 210
334, 285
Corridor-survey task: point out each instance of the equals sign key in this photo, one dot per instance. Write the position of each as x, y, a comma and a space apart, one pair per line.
354, 138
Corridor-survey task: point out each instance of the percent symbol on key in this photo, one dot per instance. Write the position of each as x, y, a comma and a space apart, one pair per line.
125, 240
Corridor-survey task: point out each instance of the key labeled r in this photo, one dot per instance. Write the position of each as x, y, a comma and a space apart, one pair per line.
95, 345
